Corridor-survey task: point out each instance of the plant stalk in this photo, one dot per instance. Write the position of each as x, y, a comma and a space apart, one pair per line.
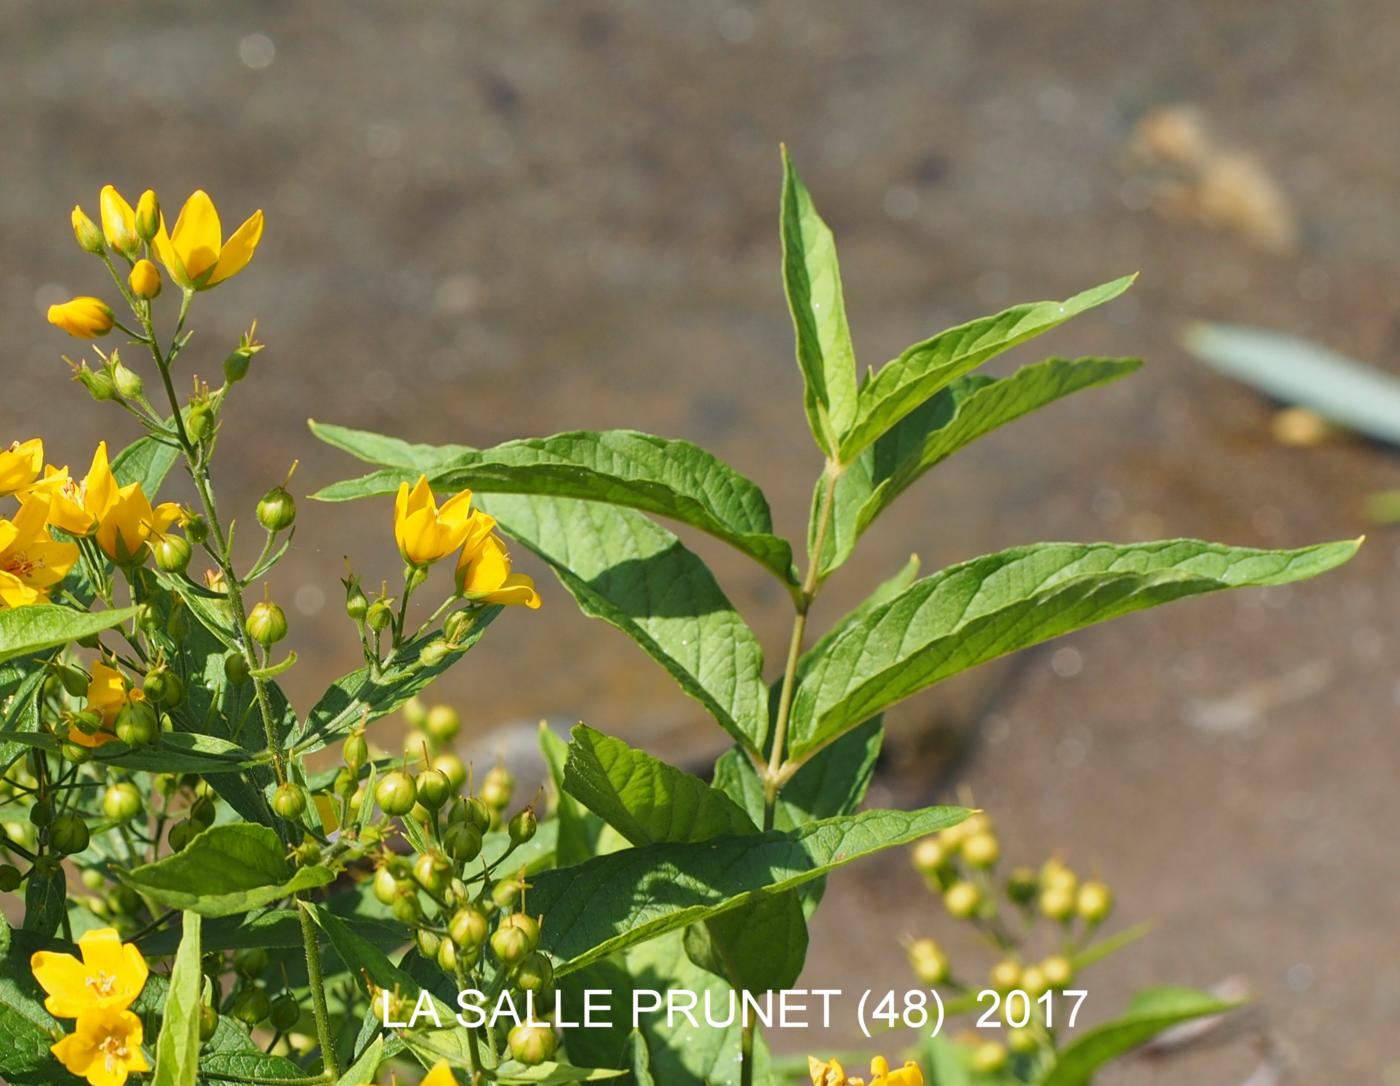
318, 993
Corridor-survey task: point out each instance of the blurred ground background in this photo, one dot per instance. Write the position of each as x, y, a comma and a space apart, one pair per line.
487, 221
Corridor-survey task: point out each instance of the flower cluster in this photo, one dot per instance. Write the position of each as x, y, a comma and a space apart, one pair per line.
831, 1073
119, 519
105, 1045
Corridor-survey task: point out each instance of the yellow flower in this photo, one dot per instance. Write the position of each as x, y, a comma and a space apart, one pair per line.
82, 318
118, 221
881, 1075
424, 532
484, 576
20, 465
110, 976
31, 562
108, 694
826, 1072
104, 1047
144, 279
129, 522
195, 253
440, 1075
122, 515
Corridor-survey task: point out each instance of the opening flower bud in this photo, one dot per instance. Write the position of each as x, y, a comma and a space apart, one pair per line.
147, 216
278, 510
144, 279
267, 624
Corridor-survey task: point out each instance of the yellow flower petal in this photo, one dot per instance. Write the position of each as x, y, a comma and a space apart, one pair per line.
118, 220
238, 250
104, 1047
440, 1075
20, 465
197, 236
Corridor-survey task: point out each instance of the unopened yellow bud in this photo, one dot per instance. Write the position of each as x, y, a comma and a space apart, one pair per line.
929, 961
1005, 975
88, 233
1057, 971
981, 849
118, 221
962, 899
147, 216
1094, 903
144, 279
82, 318
929, 856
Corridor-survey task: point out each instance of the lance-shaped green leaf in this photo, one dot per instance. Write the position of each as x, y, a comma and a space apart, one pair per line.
146, 461
47, 625
177, 1048
979, 610
969, 408
363, 695
812, 281
1149, 1013
599, 907
26, 1028
224, 870
621, 467
45, 899
902, 384
635, 575
386, 451
364, 1069
642, 797
551, 1073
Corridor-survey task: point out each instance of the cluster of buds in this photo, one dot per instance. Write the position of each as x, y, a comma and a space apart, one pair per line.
1014, 913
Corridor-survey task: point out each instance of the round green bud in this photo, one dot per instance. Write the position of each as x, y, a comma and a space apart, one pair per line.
962, 899
929, 962
236, 668
163, 687
981, 849
379, 615
250, 961
9, 878
510, 944
251, 1006
535, 973
180, 835
385, 886
434, 653
73, 679
127, 382
285, 1013
345, 783
1094, 902
496, 787
69, 834
395, 793
355, 751
468, 927
450, 764
172, 553
1022, 885
93, 879
522, 827
1055, 874
526, 923
208, 1021
277, 511
433, 871
267, 624
407, 909
196, 528
355, 603
434, 789
199, 423
447, 957
122, 802
289, 801
988, 1058
415, 713
532, 1045
470, 810
75, 753
462, 841
202, 812
506, 893
137, 724
41, 814
125, 901
428, 943
441, 723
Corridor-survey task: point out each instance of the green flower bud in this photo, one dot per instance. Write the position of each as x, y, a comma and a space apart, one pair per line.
127, 382
250, 961
163, 687
452, 766
962, 899
395, 793
266, 624
1033, 981
447, 957
428, 943
407, 910
462, 841
69, 834
988, 1058
532, 1045
278, 510
415, 714
202, 812
285, 1013
535, 973
1022, 1040
522, 827
510, 945
137, 724
9, 878
434, 789
355, 751
180, 835
1022, 885
199, 424
172, 553
379, 615
496, 788
73, 679
251, 1006
468, 927
122, 802
929, 962
1057, 903
441, 723
507, 892
289, 801
236, 668
385, 886
471, 810
929, 856
208, 1021
458, 625
432, 870
1057, 971
434, 653
981, 849
74, 752
1005, 975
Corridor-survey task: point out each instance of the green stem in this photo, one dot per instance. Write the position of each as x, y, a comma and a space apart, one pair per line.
746, 1055
318, 992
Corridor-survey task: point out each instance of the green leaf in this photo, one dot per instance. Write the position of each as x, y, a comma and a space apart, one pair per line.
245, 1065
177, 1048
47, 625
224, 870
901, 385
812, 281
20, 714
581, 833
1149, 1013
551, 1074
26, 1029
978, 610
611, 902
146, 461
45, 899
635, 575
640, 1063
946, 1063
759, 947
673, 479
953, 418
388, 451
361, 696
363, 1070
642, 797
